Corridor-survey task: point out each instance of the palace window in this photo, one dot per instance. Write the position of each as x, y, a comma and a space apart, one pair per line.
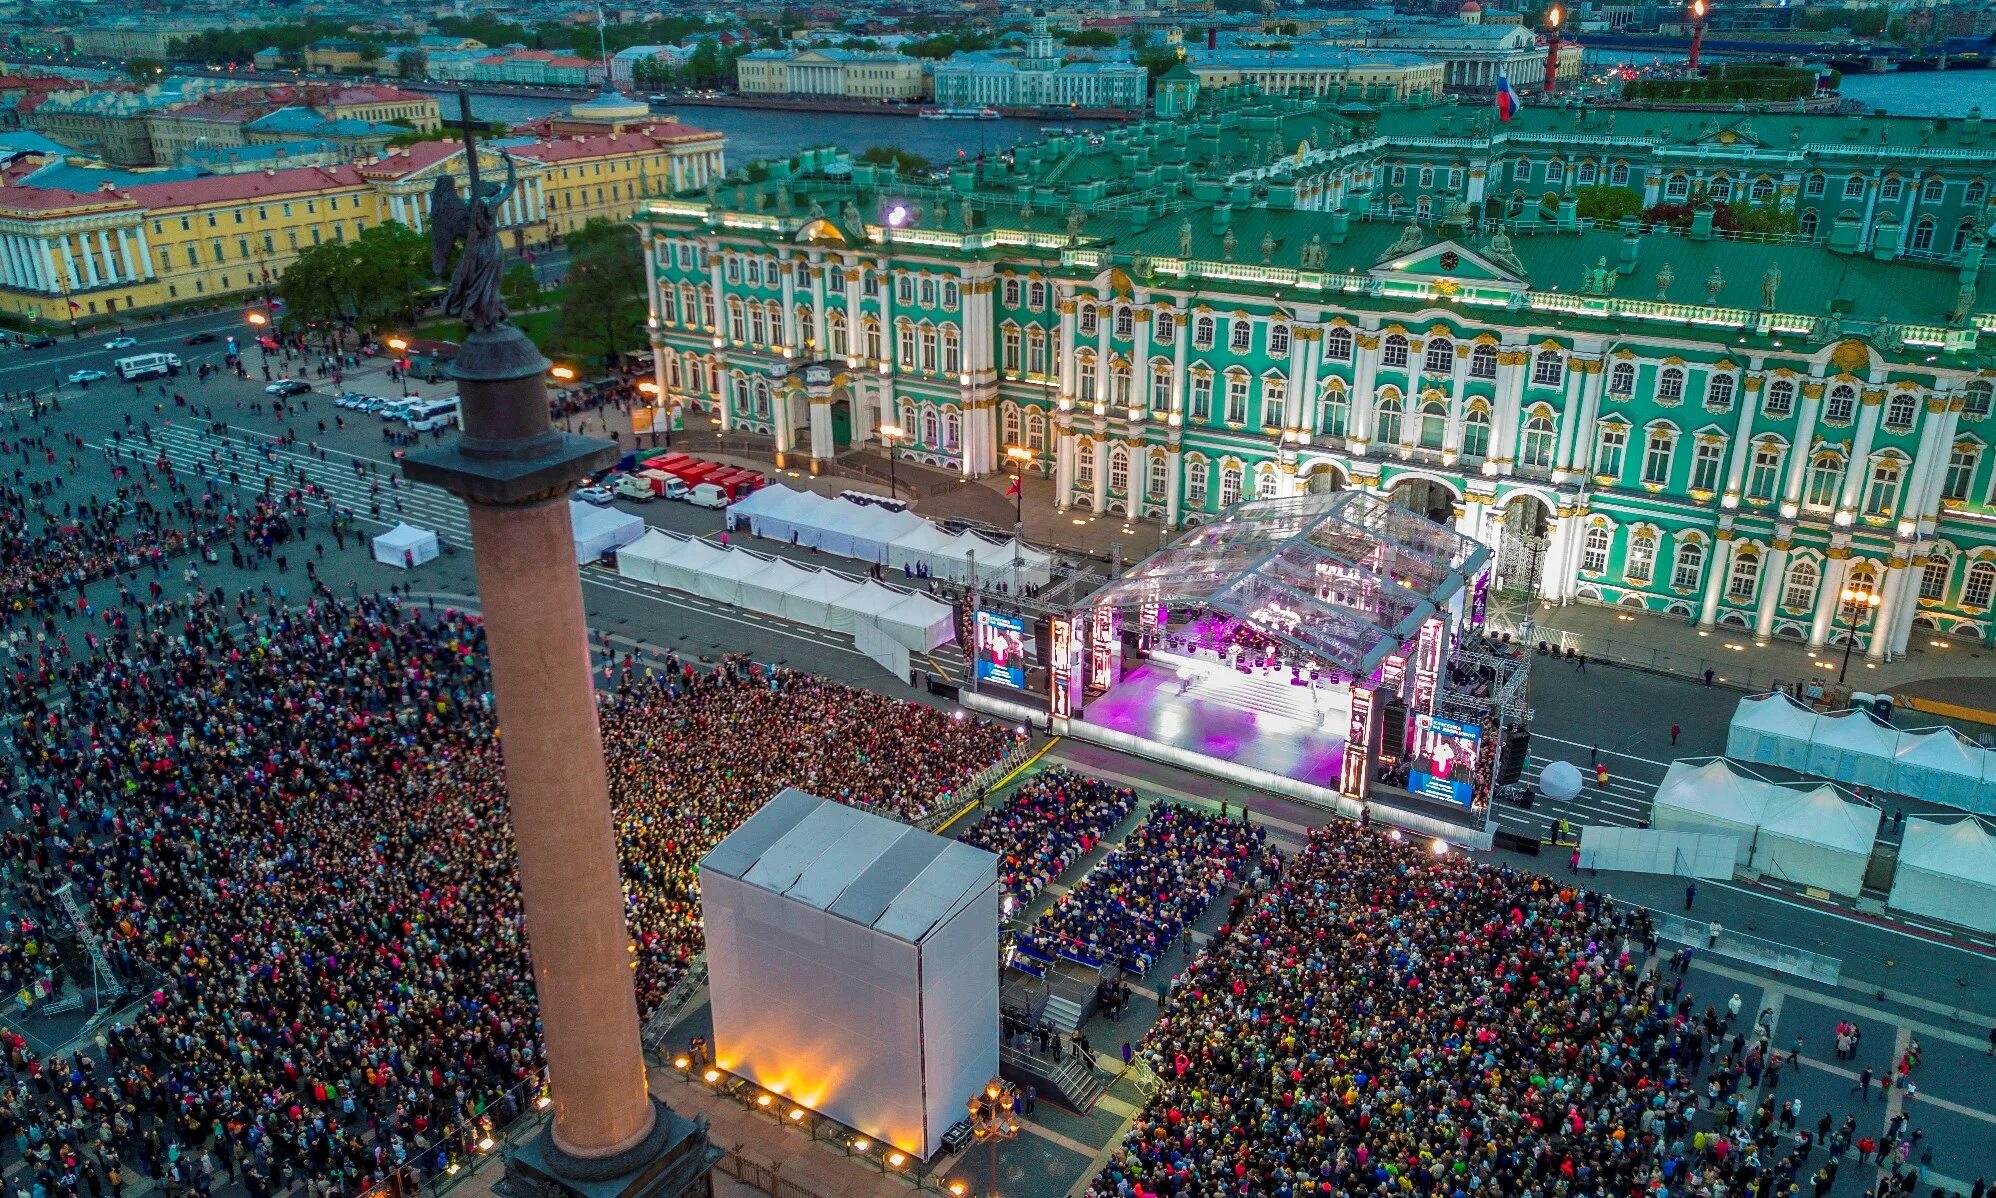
1622, 379
1337, 347
1008, 351
1087, 320
1230, 485
1237, 393
1923, 234
1548, 369
1901, 410
1333, 409
1933, 577
1240, 335
1119, 469
1394, 351
1800, 591
1977, 586
1765, 472
1931, 193
1439, 357
1009, 293
1202, 333
1745, 575
1202, 397
1434, 423
1854, 187
1608, 450
1195, 482
1161, 379
1881, 494
1164, 329
1656, 457
1594, 550
1278, 340
1975, 398
1157, 473
1670, 385
1483, 362
1826, 478
1036, 350
1689, 566
1706, 462
1719, 392
1535, 443
1036, 295
1841, 405
1476, 433
1780, 398
1960, 473
1274, 401
1119, 384
1125, 323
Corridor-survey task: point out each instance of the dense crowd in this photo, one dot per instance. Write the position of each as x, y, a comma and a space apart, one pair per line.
1046, 826
289, 827
1140, 898
1385, 1021
51, 546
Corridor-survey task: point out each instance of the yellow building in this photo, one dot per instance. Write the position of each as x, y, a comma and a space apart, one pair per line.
1322, 71
847, 74
338, 55
125, 245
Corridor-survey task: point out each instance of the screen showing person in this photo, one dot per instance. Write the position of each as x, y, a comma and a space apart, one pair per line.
1001, 649
1444, 765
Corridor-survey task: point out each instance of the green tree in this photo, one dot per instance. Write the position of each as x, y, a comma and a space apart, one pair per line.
1159, 59
1606, 205
1091, 38
320, 290
391, 265
906, 162
603, 300
520, 288
411, 63
144, 70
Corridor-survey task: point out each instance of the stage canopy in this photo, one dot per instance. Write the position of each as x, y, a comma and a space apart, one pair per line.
1854, 747
1344, 577
1947, 871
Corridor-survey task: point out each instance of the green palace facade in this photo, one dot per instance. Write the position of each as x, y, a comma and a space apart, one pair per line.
1258, 296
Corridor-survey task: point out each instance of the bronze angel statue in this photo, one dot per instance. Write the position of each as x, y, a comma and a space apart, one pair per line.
473, 295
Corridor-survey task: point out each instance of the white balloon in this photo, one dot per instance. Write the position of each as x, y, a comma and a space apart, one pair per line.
1559, 781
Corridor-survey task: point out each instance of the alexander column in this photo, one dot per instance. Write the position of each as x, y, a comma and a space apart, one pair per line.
609, 1138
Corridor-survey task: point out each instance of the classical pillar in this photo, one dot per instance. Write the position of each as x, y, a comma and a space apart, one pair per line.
1065, 459
514, 472
1773, 578
1798, 454
823, 445
1100, 448
1890, 597
1857, 471
1174, 484
1716, 571
1553, 574
1829, 597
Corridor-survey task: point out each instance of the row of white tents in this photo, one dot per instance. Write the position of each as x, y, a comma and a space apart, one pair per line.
894, 539
1809, 835
1947, 871
1855, 748
775, 587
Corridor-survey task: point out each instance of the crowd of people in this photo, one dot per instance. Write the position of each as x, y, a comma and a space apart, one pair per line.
288, 824
1142, 897
1385, 1021
1047, 825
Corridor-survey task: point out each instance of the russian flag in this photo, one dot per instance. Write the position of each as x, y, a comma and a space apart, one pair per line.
1507, 100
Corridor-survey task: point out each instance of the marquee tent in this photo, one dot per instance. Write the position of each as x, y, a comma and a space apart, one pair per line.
405, 545
1772, 729
781, 514
764, 590
1947, 871
1813, 838
1712, 798
919, 547
722, 578
811, 601
873, 530
920, 625
1944, 767
1853, 747
597, 530
640, 559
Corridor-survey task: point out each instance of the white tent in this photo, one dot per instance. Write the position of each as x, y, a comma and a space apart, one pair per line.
640, 559
405, 545
722, 578
811, 601
1712, 798
764, 590
686, 562
1772, 729
597, 530
1947, 871
873, 530
1813, 838
1853, 747
1941, 766
926, 622
776, 512
918, 546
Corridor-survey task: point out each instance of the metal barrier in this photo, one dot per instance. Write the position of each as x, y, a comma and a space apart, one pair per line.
1728, 670
1715, 938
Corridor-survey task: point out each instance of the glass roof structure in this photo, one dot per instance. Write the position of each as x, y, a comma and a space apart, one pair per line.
1345, 577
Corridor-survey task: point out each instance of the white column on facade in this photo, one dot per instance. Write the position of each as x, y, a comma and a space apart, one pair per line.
1572, 418
1140, 381
1509, 418
792, 335
1104, 325
1100, 449
1174, 485
1748, 392
82, 247
720, 296
890, 344
125, 253
1922, 499
1854, 474
1064, 368
1716, 571
144, 251
1065, 456
104, 253
1798, 456
1365, 359
48, 262
1890, 595
1180, 334
1829, 598
1552, 577
1773, 577
818, 334
395, 209
16, 277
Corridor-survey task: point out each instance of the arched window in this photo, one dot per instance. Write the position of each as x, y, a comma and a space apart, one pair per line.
1278, 340
1161, 378
1826, 478
1476, 432
1333, 409
1719, 392
1156, 474
1274, 401
1656, 456
1230, 484
1088, 320
1901, 410
1084, 375
952, 350
1036, 350
1548, 369
1439, 358
1202, 332
1934, 577
1008, 348
1962, 232
1960, 476
737, 320
932, 433
1841, 405
952, 431
1977, 585
906, 344
1780, 398
928, 338
1483, 362
1764, 474
1240, 334
1390, 410
1393, 352
1594, 549
1434, 423
1923, 234
1975, 398
1337, 344
1535, 442
1010, 425
1125, 322
1708, 457
1807, 224
1265, 477
1201, 404
1120, 393
1036, 295
1609, 443
1164, 327
1119, 469
1670, 385
1762, 190
1195, 482
1931, 193
1799, 593
1881, 493
1622, 379
874, 349
761, 394
1744, 577
1237, 395
1689, 566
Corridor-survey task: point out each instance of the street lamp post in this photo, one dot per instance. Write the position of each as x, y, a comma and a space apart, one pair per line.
1857, 606
399, 345
992, 1120
564, 375
891, 434
1021, 458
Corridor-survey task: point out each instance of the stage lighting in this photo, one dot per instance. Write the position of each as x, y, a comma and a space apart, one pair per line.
896, 1159
763, 1101
1439, 847
543, 1102
682, 1063
861, 1145
1394, 834
957, 1189
797, 1114
712, 1076
485, 1143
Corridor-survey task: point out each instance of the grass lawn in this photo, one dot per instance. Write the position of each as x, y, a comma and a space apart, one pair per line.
538, 326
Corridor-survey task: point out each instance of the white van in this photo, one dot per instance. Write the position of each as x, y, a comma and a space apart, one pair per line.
708, 495
148, 366
429, 414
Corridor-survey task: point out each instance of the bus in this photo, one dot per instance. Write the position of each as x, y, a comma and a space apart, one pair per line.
148, 366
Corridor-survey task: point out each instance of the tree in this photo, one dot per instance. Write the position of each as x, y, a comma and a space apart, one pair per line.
520, 288
319, 289
411, 63
144, 70
1092, 38
1159, 59
907, 162
1606, 205
391, 263
603, 300
709, 65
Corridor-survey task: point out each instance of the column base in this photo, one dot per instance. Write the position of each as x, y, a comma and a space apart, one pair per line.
675, 1161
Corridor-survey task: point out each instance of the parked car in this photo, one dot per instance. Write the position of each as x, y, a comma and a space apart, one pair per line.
126, 342
200, 338
284, 388
600, 496
42, 342
88, 376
